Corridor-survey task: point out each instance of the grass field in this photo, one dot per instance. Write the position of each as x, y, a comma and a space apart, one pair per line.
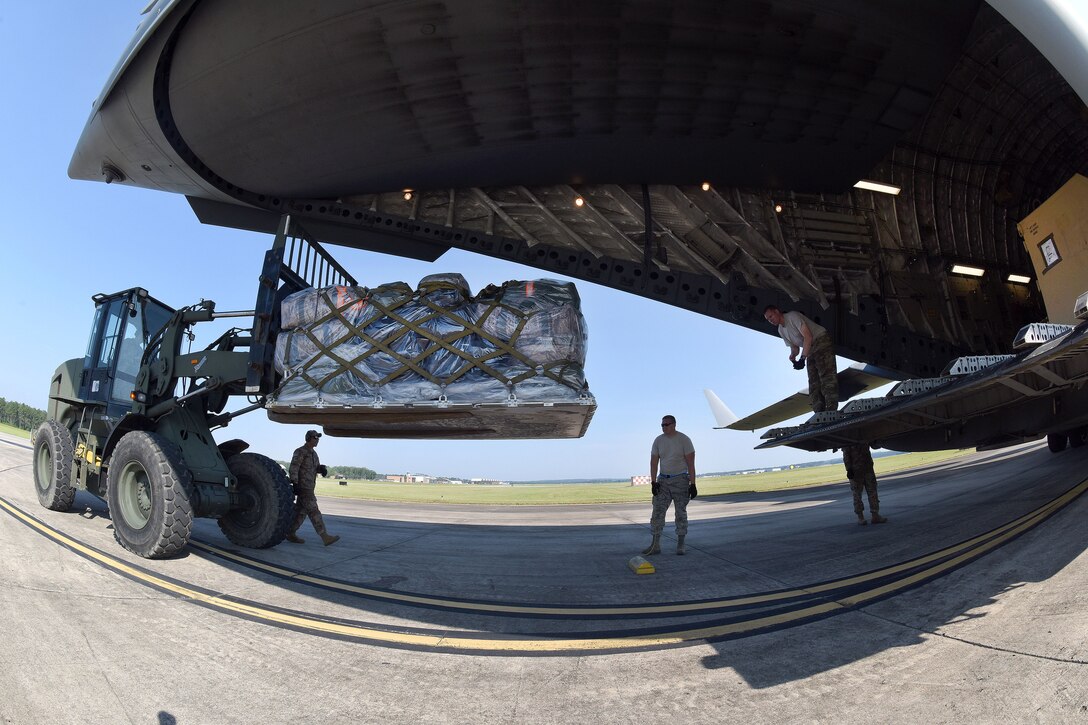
621, 491
573, 493
12, 430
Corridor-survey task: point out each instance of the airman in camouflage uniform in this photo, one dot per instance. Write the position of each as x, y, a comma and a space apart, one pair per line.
859, 469
675, 454
804, 336
305, 465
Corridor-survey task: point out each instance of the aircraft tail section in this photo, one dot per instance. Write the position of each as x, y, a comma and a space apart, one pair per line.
723, 416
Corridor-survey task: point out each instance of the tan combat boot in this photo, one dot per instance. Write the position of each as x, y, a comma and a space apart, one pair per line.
329, 540
294, 539
654, 547
878, 519
680, 548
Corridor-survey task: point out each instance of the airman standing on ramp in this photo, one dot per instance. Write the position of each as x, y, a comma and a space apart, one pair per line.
675, 453
859, 469
804, 336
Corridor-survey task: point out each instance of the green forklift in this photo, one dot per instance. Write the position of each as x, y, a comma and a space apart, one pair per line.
132, 421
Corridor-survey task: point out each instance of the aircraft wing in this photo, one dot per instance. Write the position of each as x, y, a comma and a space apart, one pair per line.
1005, 400
853, 380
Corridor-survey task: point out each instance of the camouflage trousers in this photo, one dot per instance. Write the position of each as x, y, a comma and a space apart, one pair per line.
306, 505
866, 481
823, 385
672, 491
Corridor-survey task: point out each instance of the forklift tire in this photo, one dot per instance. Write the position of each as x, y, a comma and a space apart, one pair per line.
53, 466
270, 502
1056, 442
1077, 437
149, 492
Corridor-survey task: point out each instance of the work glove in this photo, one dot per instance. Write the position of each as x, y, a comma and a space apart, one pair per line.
799, 363
692, 491
655, 488
850, 473
294, 489
323, 470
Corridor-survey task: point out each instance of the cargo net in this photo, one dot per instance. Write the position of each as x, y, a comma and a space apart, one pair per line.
523, 341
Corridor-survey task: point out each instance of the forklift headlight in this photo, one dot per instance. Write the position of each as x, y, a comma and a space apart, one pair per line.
138, 397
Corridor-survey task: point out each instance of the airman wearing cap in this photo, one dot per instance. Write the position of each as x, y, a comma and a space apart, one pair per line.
305, 465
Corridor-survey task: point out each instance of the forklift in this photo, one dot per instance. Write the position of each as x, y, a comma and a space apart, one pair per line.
132, 421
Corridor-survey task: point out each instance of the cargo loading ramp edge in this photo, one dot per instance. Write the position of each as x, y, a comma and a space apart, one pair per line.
1027, 389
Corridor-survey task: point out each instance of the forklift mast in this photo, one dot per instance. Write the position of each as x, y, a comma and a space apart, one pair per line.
295, 262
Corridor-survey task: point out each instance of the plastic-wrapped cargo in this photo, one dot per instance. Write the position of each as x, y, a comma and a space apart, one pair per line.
352, 346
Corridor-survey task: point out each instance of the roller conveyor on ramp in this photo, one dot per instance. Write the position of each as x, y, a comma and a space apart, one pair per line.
1008, 400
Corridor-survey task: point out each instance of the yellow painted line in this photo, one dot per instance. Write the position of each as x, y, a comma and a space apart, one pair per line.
531, 644
679, 608
1040, 515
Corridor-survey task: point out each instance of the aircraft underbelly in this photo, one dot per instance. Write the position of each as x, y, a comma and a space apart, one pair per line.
320, 100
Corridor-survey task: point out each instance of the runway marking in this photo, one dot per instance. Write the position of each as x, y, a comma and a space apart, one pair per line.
555, 643
602, 611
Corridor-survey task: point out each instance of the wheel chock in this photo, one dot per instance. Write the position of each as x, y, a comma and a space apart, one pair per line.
640, 565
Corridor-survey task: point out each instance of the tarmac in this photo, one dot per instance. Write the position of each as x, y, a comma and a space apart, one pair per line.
968, 606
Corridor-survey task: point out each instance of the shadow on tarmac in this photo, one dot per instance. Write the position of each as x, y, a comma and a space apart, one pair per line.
729, 556
914, 616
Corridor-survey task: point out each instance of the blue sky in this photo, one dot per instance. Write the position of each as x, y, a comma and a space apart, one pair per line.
65, 240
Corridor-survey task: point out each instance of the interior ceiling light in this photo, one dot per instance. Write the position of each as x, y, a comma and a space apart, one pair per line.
706, 186
778, 208
1019, 278
967, 270
579, 201
877, 186
407, 194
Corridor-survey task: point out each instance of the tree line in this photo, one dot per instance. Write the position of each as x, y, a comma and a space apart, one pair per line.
353, 472
21, 415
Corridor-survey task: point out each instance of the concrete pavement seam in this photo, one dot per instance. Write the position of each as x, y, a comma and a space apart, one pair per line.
972, 643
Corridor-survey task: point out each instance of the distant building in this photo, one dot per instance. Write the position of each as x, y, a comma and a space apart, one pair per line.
425, 478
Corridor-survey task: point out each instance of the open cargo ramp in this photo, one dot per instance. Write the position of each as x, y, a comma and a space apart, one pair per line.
983, 402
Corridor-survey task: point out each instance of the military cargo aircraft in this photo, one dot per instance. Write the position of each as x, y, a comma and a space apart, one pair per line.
869, 164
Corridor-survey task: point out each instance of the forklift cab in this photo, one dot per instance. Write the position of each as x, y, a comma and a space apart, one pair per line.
125, 323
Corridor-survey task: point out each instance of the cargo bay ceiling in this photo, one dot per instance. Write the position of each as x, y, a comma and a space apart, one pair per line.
698, 153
